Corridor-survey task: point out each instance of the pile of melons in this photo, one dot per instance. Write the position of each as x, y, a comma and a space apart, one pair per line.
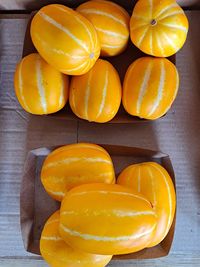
69, 42
99, 218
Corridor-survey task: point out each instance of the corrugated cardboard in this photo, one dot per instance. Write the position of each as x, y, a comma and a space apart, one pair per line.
36, 205
120, 62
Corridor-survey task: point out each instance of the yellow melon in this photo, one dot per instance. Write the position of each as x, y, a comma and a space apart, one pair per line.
154, 182
158, 28
59, 254
106, 219
111, 22
76, 164
96, 95
39, 87
65, 39
150, 87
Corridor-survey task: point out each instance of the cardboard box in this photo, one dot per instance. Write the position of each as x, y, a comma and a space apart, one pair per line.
36, 205
120, 62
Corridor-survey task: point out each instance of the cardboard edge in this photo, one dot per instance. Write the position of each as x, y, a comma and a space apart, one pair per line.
27, 215
112, 150
27, 192
170, 236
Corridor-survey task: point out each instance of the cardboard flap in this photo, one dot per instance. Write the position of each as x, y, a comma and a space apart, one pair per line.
36, 205
27, 200
29, 203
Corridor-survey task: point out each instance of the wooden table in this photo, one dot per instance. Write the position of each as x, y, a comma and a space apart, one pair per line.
177, 134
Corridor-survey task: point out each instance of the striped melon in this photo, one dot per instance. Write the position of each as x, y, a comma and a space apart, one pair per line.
57, 253
111, 22
65, 39
150, 87
40, 88
106, 219
154, 182
96, 95
76, 164
158, 28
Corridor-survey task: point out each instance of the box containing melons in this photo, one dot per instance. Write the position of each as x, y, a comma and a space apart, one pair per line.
84, 204
102, 61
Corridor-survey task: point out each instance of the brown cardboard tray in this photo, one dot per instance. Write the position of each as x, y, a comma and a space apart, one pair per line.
36, 205
120, 62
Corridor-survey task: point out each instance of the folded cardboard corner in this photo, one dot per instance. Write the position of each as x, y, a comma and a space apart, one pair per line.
36, 205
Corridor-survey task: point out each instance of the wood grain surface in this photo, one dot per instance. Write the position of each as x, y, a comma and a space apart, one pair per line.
177, 134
